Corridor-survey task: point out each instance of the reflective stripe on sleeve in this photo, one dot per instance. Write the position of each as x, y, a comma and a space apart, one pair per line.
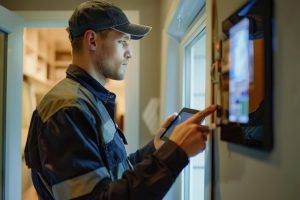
80, 185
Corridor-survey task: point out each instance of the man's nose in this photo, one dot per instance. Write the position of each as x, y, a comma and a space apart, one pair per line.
128, 53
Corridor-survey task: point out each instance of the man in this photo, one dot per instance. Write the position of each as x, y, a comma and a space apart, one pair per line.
74, 148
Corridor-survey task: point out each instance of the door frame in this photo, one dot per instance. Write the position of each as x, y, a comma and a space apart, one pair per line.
12, 24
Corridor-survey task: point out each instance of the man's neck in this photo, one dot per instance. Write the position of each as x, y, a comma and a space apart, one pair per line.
87, 66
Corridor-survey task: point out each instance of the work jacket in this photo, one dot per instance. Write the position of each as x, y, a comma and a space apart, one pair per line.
76, 151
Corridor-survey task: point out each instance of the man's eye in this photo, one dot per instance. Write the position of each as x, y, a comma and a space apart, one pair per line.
123, 42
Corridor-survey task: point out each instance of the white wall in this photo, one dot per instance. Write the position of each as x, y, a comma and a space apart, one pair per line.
169, 76
242, 173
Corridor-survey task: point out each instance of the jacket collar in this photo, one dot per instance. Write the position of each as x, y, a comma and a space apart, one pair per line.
86, 80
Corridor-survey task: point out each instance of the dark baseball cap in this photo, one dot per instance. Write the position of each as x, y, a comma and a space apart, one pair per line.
99, 15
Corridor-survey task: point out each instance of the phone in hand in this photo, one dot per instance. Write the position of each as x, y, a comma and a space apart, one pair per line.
182, 116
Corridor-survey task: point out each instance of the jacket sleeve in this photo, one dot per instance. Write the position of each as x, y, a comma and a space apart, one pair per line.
150, 179
142, 153
75, 166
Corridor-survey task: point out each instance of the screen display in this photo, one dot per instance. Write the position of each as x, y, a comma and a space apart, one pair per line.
239, 72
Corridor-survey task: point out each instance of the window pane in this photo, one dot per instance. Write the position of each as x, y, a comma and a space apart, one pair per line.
196, 84
2, 102
198, 73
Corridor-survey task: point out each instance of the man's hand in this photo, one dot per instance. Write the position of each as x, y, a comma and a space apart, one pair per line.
190, 136
157, 141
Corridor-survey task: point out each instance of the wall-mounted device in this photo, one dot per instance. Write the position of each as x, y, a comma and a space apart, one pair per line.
246, 76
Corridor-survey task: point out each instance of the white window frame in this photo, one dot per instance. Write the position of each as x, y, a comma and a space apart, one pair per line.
197, 28
171, 100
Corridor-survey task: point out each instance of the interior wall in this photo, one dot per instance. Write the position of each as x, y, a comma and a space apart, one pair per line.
149, 46
168, 102
243, 173
165, 9
2, 70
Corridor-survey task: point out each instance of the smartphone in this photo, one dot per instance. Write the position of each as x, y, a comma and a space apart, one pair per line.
182, 116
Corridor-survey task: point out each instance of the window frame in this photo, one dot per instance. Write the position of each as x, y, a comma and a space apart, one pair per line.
187, 40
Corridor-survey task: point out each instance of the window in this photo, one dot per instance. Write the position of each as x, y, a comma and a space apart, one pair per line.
194, 73
184, 46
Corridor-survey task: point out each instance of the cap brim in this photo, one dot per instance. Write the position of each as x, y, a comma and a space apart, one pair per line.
136, 31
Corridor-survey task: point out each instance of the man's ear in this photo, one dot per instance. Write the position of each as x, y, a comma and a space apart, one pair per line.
90, 38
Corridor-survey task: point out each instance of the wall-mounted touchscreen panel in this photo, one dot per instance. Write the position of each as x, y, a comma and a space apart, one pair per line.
246, 80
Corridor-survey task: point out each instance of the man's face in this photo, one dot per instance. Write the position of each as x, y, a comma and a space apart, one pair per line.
113, 54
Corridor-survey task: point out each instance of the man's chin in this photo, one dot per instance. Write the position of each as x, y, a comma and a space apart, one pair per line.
118, 77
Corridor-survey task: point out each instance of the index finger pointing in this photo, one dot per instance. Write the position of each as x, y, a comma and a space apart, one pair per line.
202, 114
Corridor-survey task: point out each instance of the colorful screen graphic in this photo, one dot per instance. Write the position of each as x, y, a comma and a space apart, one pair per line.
239, 72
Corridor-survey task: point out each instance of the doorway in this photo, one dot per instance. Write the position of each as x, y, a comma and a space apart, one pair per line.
46, 56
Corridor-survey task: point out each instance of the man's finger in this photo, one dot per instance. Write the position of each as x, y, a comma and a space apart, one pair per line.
202, 114
204, 129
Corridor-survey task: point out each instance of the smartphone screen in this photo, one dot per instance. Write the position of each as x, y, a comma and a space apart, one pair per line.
183, 115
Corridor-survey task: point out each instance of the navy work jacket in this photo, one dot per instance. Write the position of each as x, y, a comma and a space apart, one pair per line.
76, 151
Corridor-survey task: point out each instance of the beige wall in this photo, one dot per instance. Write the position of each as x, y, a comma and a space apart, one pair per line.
149, 47
242, 173
165, 8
